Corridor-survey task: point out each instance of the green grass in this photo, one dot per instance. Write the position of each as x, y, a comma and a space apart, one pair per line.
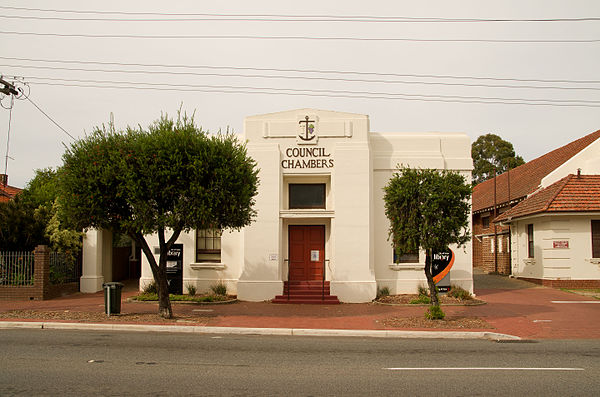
421, 300
149, 297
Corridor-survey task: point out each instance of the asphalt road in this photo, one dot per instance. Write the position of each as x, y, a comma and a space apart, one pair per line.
54, 362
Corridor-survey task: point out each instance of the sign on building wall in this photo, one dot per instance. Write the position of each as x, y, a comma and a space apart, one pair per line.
440, 269
560, 244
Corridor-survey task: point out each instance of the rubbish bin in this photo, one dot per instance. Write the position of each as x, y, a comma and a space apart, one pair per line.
112, 297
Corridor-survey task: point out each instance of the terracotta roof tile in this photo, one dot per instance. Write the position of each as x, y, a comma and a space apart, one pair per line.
570, 194
526, 178
8, 192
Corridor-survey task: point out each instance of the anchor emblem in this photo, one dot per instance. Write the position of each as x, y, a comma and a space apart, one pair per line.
308, 130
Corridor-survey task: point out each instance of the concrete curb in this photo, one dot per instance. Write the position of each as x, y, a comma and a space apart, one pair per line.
261, 331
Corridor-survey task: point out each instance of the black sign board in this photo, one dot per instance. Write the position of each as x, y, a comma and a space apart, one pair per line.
440, 269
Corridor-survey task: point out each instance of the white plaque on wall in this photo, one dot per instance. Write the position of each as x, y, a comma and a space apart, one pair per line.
314, 255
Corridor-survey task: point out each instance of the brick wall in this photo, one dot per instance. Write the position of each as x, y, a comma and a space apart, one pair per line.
498, 262
41, 288
483, 254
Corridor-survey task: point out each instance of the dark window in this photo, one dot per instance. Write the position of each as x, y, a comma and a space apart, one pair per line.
412, 257
208, 245
485, 221
307, 195
530, 240
596, 239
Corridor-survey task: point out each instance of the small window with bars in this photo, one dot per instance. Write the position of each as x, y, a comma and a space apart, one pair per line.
595, 238
530, 246
208, 245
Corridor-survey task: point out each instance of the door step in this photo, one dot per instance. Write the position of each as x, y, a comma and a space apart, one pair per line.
306, 292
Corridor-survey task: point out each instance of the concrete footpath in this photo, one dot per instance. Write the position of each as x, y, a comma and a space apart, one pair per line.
514, 310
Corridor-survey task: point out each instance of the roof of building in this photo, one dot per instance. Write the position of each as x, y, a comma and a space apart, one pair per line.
8, 192
573, 193
526, 178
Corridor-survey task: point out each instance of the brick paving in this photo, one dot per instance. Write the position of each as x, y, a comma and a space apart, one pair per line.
513, 307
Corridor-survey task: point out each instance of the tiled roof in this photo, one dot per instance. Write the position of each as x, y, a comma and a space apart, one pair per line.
8, 192
526, 178
571, 194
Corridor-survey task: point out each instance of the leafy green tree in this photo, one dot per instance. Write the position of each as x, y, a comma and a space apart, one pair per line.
428, 210
42, 189
490, 152
169, 178
21, 227
33, 218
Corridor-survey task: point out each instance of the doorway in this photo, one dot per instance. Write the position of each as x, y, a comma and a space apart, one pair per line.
306, 252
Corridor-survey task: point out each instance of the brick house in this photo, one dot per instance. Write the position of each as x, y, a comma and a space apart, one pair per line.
555, 233
492, 241
7, 192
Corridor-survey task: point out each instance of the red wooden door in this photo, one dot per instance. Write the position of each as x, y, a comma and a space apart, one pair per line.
306, 252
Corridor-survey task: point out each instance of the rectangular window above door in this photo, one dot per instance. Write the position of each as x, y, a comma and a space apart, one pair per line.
307, 196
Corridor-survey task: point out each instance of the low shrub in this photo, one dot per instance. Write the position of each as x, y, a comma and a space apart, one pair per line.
435, 313
151, 288
191, 289
383, 291
459, 293
219, 288
423, 290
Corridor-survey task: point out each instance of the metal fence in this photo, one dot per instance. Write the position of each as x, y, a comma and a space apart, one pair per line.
16, 268
64, 268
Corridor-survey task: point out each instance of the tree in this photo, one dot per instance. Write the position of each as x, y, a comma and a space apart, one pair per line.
21, 227
23, 220
428, 210
490, 152
169, 178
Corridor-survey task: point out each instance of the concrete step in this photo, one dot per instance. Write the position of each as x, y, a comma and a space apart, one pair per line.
307, 299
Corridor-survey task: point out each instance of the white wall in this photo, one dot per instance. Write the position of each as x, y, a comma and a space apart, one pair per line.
201, 275
588, 160
424, 150
573, 262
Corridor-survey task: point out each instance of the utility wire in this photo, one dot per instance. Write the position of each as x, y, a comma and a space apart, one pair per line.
270, 92
286, 18
311, 38
327, 18
270, 76
310, 90
50, 118
154, 65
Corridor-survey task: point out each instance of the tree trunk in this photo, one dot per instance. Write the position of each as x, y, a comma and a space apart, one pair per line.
432, 290
164, 303
159, 271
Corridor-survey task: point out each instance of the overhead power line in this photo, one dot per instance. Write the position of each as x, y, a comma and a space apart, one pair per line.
298, 17
51, 119
282, 18
288, 77
311, 38
333, 94
319, 71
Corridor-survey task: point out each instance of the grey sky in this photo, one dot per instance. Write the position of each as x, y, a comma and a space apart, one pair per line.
534, 130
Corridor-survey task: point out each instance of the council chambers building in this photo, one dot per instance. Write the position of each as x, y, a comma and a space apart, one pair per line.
320, 221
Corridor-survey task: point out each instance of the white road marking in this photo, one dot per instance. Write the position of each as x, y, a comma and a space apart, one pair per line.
576, 301
542, 321
202, 310
484, 369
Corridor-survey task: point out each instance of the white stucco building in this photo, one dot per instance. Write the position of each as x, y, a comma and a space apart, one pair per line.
320, 212
555, 231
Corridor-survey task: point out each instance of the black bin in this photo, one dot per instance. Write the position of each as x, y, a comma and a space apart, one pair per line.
112, 297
